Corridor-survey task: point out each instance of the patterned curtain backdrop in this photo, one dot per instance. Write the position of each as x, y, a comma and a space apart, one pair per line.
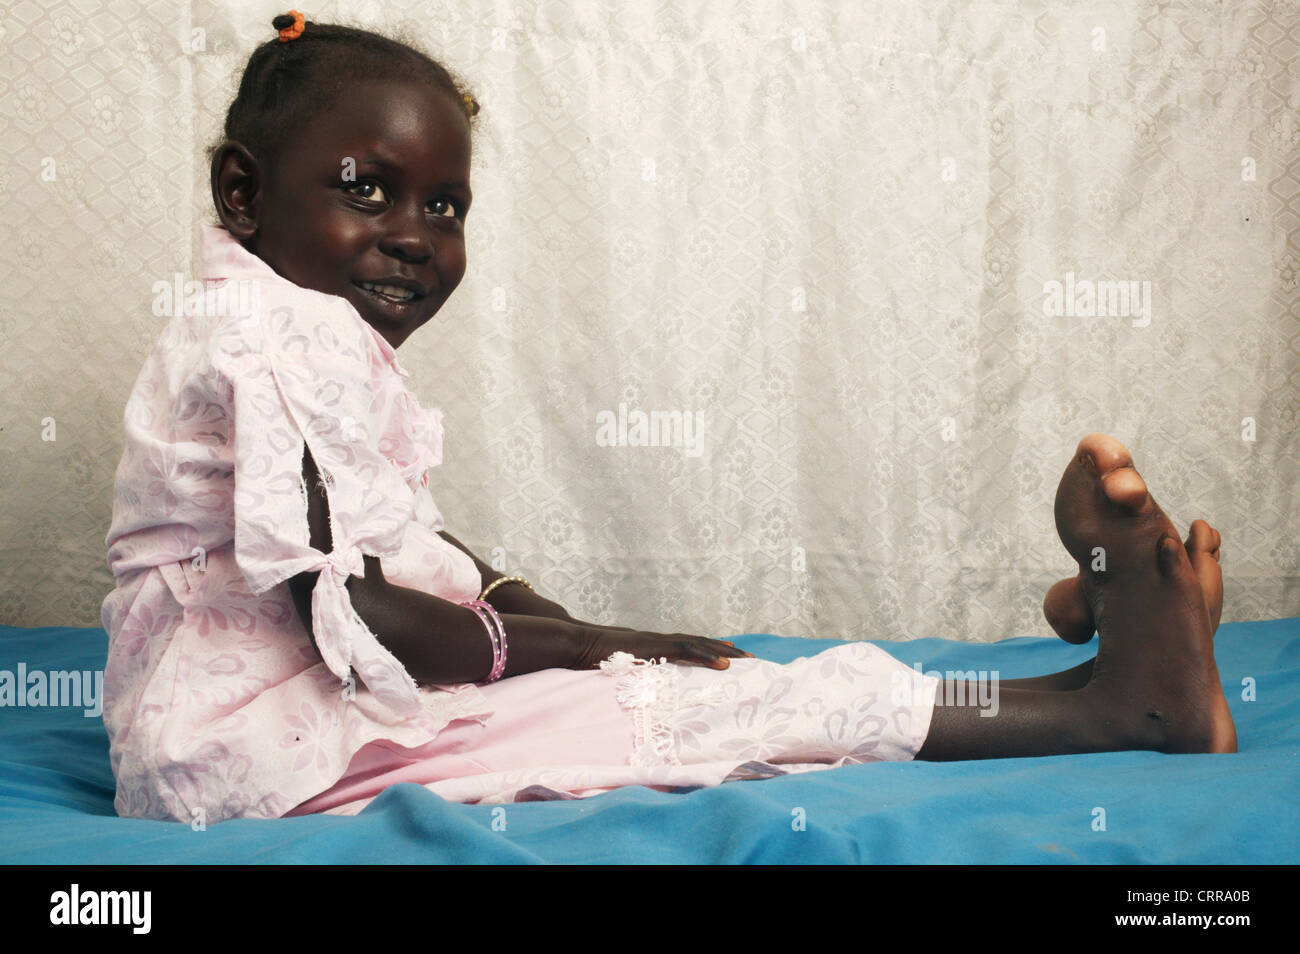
778, 317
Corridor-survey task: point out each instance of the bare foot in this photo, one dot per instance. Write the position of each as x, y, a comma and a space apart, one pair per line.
1154, 678
1066, 608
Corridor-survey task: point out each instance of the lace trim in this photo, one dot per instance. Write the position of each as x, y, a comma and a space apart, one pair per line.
648, 690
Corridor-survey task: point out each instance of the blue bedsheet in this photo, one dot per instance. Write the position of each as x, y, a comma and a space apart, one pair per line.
56, 790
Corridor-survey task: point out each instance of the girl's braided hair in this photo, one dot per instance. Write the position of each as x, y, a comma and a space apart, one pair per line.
300, 73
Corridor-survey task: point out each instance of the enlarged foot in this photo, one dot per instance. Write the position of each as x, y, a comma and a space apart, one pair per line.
1154, 677
1066, 608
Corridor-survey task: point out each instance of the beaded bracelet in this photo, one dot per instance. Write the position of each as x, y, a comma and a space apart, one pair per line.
503, 579
499, 664
496, 631
493, 638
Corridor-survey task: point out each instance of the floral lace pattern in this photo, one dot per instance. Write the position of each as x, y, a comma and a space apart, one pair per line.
651, 693
853, 703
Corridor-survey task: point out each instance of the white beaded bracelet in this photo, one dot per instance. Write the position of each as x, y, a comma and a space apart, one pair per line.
503, 579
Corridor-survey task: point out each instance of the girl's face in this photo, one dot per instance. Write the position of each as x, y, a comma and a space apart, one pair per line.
369, 202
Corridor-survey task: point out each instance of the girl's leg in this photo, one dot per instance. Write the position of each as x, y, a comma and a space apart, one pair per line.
1154, 683
1075, 677
1027, 722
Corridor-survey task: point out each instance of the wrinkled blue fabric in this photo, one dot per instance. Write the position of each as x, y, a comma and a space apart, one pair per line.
56, 790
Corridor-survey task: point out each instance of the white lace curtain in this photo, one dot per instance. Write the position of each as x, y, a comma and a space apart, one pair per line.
757, 332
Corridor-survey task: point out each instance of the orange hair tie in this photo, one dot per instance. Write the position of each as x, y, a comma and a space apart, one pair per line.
295, 30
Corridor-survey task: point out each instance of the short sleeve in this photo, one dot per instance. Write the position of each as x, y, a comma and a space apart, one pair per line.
302, 371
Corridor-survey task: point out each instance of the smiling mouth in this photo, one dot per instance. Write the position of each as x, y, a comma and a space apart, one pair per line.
390, 293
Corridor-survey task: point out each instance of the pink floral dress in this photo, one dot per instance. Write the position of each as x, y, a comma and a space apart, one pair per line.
216, 703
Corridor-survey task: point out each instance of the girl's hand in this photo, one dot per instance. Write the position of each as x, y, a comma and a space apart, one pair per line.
597, 643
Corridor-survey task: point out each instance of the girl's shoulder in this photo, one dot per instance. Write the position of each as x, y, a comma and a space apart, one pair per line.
262, 312
302, 329
285, 319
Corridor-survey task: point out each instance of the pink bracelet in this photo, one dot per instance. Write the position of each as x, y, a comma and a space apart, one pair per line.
492, 635
499, 666
496, 631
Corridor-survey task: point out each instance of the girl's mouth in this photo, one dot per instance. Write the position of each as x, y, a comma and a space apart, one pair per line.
390, 293
392, 301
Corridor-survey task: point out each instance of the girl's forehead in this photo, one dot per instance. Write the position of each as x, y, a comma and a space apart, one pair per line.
412, 117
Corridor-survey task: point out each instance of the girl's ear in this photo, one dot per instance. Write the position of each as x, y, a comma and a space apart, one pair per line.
236, 188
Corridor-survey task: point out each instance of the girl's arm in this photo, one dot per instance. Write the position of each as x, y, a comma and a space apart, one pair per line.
439, 642
514, 598
511, 597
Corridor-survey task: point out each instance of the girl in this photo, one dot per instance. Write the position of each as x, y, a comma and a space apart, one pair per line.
293, 629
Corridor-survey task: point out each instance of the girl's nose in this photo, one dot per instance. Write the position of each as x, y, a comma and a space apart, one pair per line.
408, 239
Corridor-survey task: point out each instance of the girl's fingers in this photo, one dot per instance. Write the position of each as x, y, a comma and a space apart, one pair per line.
718, 649
715, 661
698, 650
735, 650
715, 643
724, 656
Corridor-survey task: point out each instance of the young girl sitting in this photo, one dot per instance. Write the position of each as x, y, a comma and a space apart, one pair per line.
293, 630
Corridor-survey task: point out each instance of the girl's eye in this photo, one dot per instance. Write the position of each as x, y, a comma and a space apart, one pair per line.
367, 190
373, 192
452, 204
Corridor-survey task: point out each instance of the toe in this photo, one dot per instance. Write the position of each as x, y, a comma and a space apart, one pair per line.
1125, 488
1105, 453
1066, 609
1113, 465
1203, 538
1097, 500
1203, 550
1167, 556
